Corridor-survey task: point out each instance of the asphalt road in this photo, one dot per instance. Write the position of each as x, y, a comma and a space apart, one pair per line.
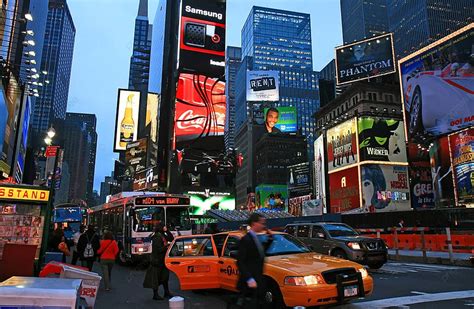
397, 285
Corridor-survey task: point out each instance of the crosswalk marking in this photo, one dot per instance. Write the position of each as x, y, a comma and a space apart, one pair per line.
404, 268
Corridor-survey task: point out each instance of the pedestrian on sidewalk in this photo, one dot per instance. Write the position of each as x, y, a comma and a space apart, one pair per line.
87, 247
108, 252
157, 274
75, 239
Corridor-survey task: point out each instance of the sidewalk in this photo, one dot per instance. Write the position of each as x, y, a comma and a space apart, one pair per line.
432, 257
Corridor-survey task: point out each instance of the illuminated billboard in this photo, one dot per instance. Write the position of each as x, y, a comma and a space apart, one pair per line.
271, 196
365, 59
342, 145
320, 172
202, 37
207, 199
462, 158
344, 190
280, 120
438, 86
135, 156
200, 110
381, 140
126, 122
151, 120
263, 86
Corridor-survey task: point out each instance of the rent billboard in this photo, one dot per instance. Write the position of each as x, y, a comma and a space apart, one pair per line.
203, 200
381, 140
126, 123
280, 120
202, 37
342, 145
438, 86
263, 86
344, 193
365, 59
462, 158
271, 196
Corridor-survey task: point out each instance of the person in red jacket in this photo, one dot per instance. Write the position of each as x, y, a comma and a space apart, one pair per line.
108, 251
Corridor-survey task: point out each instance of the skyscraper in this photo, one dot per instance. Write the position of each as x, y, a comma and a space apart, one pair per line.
56, 61
232, 62
417, 23
88, 122
363, 19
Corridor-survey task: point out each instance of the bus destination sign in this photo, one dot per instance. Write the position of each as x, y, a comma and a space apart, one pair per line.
161, 200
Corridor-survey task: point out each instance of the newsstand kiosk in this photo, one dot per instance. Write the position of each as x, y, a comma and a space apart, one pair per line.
23, 231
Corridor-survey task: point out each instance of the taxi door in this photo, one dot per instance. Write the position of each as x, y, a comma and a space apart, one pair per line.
195, 262
228, 271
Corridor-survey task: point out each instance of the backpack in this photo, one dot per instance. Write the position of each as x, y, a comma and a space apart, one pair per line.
89, 250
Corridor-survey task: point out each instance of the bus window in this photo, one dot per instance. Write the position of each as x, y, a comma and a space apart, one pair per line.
145, 218
178, 216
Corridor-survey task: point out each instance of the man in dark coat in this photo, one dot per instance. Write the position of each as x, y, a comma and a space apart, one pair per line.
250, 260
157, 274
89, 237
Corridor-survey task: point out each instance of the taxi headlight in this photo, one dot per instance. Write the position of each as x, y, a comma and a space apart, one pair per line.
363, 272
303, 281
353, 245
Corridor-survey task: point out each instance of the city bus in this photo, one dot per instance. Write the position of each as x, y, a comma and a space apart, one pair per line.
132, 216
70, 216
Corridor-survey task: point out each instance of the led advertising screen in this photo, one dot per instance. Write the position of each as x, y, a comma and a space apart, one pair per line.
320, 171
126, 123
342, 145
344, 193
438, 86
207, 199
385, 188
151, 120
135, 156
263, 86
421, 185
462, 158
441, 172
202, 37
365, 59
271, 196
200, 111
382, 140
146, 179
280, 120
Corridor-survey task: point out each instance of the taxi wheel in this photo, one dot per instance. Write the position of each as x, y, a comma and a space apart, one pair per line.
375, 265
272, 295
339, 254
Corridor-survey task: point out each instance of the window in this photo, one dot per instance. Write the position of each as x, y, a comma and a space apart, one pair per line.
372, 96
231, 245
316, 230
388, 98
197, 246
290, 229
303, 231
219, 242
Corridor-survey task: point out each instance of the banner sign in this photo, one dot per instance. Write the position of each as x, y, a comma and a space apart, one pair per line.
281, 119
135, 156
263, 86
435, 76
313, 208
161, 200
365, 59
382, 140
344, 193
442, 172
295, 205
24, 194
271, 196
299, 176
146, 179
421, 184
126, 123
462, 158
342, 145
320, 172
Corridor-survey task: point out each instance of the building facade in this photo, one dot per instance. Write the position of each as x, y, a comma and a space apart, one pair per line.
56, 60
232, 62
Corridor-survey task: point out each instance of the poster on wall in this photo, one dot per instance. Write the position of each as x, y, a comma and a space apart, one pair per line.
342, 145
441, 172
344, 190
295, 205
381, 140
202, 37
280, 120
270, 196
365, 59
299, 176
263, 86
385, 188
320, 172
462, 158
126, 123
421, 184
207, 199
440, 73
313, 207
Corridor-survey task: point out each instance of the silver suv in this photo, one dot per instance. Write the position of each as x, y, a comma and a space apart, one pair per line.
340, 240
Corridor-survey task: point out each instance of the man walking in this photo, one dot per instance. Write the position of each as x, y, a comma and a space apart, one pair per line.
250, 261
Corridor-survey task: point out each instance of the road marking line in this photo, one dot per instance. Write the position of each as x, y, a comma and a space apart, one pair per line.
419, 293
410, 300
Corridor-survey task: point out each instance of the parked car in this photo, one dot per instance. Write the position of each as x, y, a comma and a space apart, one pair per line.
342, 241
295, 275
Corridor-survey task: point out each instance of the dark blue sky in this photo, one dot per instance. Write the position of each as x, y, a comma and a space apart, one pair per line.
104, 42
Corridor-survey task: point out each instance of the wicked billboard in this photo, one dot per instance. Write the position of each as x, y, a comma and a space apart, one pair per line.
342, 145
365, 59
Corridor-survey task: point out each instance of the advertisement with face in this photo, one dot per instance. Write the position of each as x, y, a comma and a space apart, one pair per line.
344, 192
342, 145
462, 156
280, 120
263, 86
126, 123
431, 77
207, 199
320, 171
381, 140
200, 111
365, 59
202, 37
271, 196
385, 188
441, 172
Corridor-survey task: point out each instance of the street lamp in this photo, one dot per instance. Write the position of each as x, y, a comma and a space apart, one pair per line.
28, 16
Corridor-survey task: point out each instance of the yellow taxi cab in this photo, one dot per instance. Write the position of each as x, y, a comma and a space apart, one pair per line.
295, 276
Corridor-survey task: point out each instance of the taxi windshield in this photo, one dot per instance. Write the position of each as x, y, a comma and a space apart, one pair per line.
284, 244
340, 230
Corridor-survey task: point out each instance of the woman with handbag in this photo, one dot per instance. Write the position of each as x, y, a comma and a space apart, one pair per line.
157, 274
108, 252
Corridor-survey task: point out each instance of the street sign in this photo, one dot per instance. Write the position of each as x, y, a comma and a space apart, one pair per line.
51, 151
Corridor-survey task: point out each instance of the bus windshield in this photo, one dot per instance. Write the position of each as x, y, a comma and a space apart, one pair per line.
178, 217
145, 218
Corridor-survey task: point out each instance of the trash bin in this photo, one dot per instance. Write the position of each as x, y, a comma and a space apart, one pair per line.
90, 282
176, 302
